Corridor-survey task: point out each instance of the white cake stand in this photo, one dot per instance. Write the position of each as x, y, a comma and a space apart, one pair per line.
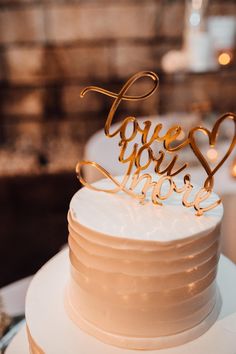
57, 334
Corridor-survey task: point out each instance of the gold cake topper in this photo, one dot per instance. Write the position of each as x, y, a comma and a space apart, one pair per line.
134, 159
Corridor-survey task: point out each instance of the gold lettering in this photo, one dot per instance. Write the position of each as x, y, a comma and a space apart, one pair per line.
156, 193
202, 195
141, 157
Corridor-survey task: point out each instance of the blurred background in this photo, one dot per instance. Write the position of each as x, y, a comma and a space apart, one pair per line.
49, 51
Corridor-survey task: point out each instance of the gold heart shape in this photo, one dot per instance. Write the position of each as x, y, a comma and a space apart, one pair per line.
209, 182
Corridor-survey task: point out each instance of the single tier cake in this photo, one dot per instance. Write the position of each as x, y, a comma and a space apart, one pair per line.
142, 275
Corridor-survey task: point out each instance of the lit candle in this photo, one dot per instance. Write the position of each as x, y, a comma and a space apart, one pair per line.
224, 58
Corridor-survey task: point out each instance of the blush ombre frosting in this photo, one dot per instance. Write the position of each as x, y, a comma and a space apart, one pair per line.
142, 276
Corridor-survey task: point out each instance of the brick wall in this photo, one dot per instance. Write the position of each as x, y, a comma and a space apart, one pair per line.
50, 49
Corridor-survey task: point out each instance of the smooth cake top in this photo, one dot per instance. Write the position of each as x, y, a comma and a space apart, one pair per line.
123, 216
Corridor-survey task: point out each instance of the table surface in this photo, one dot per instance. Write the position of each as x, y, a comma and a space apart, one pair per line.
13, 296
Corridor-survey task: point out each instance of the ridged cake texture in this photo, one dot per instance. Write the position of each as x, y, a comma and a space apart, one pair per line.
140, 273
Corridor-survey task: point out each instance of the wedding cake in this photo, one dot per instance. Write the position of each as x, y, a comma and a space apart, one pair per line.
143, 249
141, 276
138, 272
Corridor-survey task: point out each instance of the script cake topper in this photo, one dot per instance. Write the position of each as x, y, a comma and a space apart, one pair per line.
133, 176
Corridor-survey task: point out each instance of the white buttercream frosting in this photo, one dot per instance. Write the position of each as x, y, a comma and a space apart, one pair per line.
136, 272
121, 215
